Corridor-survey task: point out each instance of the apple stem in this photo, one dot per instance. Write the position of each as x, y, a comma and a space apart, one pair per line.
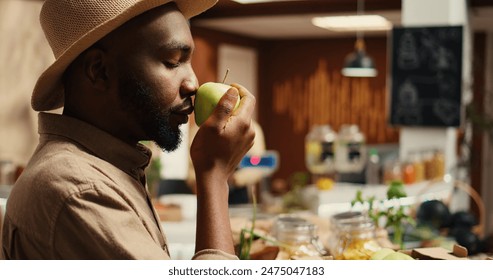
225, 75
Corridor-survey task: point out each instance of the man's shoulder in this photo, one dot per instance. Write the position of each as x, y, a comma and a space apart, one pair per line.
49, 178
59, 168
61, 161
56, 172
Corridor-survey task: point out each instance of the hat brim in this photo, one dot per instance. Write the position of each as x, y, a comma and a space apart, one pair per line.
48, 93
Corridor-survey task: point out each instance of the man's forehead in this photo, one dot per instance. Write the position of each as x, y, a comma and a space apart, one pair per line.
154, 13
156, 22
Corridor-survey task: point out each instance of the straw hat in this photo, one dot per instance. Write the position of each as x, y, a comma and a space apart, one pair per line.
71, 26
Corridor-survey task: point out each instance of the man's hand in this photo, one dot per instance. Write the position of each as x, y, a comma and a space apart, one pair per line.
219, 145
226, 136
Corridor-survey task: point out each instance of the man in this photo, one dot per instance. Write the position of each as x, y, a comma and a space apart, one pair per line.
122, 74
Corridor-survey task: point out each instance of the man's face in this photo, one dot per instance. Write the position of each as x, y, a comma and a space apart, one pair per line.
155, 80
147, 108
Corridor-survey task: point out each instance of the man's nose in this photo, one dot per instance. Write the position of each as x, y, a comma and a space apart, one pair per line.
190, 85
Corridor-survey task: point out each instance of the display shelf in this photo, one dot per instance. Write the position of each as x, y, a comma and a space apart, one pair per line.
326, 203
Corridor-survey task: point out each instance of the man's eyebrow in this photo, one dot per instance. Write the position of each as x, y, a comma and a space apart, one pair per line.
176, 46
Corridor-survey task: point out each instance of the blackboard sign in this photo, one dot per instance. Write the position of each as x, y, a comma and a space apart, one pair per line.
426, 81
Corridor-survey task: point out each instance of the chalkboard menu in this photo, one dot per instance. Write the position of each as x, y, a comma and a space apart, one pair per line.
426, 81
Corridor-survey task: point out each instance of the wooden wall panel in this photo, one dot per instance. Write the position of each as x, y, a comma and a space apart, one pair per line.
301, 85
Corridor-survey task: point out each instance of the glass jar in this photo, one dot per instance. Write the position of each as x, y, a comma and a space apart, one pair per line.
356, 240
419, 167
430, 168
297, 237
319, 150
439, 163
408, 173
350, 150
335, 222
392, 171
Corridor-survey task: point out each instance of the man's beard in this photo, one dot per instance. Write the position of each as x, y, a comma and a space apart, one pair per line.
143, 104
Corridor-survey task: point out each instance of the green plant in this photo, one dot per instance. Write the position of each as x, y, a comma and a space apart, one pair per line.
395, 215
247, 236
246, 241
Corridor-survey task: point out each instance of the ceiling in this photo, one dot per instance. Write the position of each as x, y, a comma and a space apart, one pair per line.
292, 19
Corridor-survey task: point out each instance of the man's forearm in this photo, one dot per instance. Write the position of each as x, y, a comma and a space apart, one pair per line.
213, 223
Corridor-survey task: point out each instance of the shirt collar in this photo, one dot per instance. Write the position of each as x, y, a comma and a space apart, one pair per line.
130, 159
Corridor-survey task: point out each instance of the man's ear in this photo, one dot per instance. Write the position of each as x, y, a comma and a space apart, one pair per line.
95, 68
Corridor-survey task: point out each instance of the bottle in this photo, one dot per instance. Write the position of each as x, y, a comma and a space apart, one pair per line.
372, 172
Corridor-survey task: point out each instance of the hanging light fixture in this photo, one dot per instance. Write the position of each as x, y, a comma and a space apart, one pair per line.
358, 63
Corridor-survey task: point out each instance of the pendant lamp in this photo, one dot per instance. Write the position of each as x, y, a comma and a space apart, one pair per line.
358, 63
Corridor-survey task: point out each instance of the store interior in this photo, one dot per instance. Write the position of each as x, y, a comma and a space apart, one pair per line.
324, 136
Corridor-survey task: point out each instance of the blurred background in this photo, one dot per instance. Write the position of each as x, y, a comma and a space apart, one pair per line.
293, 67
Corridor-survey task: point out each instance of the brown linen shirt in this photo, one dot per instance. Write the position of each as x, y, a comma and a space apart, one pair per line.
83, 196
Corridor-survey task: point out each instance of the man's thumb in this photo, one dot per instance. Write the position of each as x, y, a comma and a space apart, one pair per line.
226, 105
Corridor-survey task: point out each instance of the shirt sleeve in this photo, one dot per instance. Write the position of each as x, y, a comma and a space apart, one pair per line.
92, 225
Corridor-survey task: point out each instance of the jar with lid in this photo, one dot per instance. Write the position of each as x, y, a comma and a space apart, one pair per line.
319, 150
350, 150
335, 222
297, 237
356, 240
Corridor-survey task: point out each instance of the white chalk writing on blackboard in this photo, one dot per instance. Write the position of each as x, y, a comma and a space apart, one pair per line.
408, 55
426, 76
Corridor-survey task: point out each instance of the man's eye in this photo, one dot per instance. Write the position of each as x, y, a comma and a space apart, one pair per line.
172, 65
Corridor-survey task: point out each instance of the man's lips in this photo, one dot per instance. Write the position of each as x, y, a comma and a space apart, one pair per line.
185, 111
186, 108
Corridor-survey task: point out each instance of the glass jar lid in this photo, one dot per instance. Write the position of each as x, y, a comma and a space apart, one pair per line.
290, 227
347, 216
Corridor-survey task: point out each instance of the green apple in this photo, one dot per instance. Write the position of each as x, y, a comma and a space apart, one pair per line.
397, 256
206, 99
382, 253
